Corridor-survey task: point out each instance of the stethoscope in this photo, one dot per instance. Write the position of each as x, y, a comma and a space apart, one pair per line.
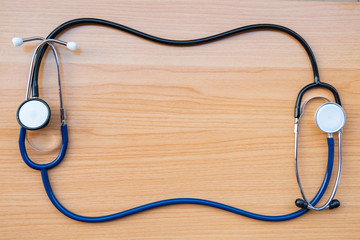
34, 113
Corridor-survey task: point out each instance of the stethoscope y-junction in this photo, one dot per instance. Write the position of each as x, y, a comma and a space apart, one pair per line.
34, 113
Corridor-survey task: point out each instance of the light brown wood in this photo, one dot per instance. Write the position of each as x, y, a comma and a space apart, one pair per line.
149, 122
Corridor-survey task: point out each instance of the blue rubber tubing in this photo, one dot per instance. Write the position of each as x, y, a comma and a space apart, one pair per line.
318, 196
55, 162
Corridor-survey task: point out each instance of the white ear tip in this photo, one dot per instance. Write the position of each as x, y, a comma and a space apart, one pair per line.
71, 45
17, 41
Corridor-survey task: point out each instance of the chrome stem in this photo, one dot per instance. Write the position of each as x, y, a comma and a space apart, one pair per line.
32, 67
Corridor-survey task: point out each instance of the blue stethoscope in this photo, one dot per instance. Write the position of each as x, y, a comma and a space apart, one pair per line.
34, 113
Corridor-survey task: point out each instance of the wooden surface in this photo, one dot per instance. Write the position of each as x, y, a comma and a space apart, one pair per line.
149, 122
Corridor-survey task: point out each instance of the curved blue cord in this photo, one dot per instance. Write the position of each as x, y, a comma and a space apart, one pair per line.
55, 162
66, 212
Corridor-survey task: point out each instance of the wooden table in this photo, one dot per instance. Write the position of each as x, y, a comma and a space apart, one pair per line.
149, 122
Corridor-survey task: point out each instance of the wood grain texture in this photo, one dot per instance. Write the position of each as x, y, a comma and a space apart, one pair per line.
149, 122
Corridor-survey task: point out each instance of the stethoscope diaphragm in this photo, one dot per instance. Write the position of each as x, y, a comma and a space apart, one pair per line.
330, 117
33, 114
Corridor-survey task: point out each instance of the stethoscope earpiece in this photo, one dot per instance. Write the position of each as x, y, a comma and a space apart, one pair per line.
304, 205
301, 203
17, 41
33, 114
330, 117
334, 204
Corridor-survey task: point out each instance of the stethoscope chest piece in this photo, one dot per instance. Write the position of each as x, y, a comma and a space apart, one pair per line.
33, 114
330, 117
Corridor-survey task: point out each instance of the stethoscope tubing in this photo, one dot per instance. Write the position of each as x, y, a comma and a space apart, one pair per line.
77, 217
170, 42
193, 42
45, 178
55, 162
